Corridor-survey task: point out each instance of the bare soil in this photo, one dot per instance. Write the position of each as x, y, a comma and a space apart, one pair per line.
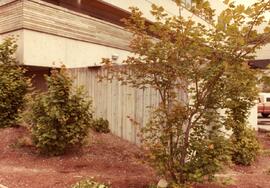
255, 176
106, 158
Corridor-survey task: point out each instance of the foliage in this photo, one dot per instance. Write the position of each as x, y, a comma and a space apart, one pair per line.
265, 82
100, 125
207, 149
245, 146
14, 84
60, 117
175, 55
238, 99
89, 184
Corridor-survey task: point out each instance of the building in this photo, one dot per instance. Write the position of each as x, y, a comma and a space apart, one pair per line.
78, 33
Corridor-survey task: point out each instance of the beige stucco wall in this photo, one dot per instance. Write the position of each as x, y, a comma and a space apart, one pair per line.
169, 6
172, 9
42, 49
252, 118
263, 53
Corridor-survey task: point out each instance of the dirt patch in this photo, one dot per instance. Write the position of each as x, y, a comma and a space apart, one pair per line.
108, 159
257, 175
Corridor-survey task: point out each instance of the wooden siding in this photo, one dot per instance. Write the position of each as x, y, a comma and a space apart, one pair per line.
11, 16
120, 104
44, 17
2, 2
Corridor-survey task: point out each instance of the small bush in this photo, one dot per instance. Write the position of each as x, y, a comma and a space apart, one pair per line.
101, 125
13, 84
60, 117
245, 147
206, 152
89, 184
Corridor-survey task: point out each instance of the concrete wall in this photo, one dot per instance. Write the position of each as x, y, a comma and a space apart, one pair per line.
66, 37
45, 50
168, 5
264, 53
42, 49
252, 119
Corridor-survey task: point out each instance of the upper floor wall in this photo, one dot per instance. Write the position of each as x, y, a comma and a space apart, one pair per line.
44, 17
264, 52
169, 6
50, 34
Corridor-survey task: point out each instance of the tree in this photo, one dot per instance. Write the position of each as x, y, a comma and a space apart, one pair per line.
14, 85
173, 54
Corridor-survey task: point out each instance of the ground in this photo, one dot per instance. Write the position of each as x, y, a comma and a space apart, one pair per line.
108, 159
255, 176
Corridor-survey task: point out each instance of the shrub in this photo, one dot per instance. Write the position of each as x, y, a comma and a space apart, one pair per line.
13, 84
61, 116
245, 147
101, 125
207, 149
89, 184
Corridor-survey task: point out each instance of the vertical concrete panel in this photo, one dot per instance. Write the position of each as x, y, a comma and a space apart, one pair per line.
252, 119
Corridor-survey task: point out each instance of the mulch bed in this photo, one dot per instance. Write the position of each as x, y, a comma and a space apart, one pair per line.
106, 158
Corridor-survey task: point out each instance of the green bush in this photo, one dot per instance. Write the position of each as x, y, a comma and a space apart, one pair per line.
13, 84
245, 147
101, 125
61, 116
89, 184
207, 150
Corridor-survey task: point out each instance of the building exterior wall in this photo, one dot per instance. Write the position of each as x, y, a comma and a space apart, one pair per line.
169, 6
126, 108
2, 2
263, 53
67, 37
121, 105
49, 34
11, 15
41, 49
253, 118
